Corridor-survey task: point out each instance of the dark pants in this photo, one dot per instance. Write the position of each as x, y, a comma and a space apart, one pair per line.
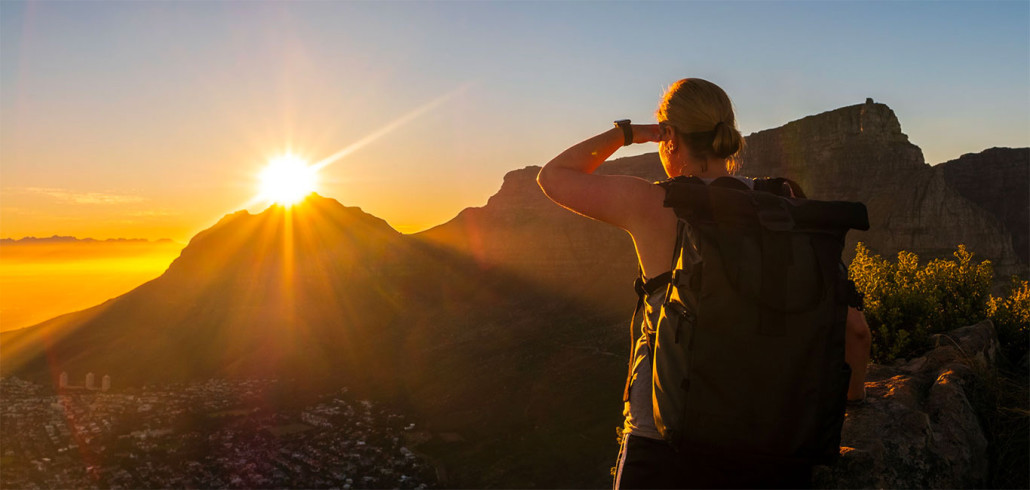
650, 463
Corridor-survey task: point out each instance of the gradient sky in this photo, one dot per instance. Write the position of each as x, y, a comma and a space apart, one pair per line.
152, 119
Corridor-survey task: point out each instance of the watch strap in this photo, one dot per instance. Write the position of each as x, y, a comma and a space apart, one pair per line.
627, 131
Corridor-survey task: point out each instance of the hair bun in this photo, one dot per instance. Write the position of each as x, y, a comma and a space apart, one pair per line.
703, 117
726, 141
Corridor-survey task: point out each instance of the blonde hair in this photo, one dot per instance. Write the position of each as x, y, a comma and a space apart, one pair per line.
702, 115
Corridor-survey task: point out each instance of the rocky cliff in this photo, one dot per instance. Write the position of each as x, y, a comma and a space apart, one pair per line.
997, 180
859, 153
923, 424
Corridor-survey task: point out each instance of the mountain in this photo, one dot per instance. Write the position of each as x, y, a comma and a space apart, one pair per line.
859, 153
996, 180
505, 326
237, 293
522, 232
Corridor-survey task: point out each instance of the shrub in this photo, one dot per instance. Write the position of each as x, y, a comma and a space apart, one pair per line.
1011, 316
906, 303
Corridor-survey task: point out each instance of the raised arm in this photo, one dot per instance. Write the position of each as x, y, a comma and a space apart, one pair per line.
569, 181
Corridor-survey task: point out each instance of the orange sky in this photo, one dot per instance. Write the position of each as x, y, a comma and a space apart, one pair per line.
41, 281
153, 119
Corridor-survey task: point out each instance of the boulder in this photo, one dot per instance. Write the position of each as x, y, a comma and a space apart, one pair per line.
920, 425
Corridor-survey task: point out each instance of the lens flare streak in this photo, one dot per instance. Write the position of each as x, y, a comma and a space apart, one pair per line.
415, 113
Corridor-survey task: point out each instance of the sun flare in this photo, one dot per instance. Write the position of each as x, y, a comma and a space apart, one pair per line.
287, 180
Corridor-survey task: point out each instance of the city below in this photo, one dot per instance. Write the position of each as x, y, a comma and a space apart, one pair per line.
214, 434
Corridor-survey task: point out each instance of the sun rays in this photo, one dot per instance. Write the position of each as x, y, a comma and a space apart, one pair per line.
288, 178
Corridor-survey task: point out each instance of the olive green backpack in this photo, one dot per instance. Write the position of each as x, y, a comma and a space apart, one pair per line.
749, 349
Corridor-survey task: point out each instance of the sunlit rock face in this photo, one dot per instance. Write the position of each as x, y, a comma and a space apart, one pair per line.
997, 180
920, 425
858, 153
523, 232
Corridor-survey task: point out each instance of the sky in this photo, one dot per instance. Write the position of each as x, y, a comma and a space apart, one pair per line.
153, 119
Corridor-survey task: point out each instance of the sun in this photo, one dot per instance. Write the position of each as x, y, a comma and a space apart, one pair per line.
287, 180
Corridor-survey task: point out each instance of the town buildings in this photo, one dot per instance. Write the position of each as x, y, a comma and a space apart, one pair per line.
218, 433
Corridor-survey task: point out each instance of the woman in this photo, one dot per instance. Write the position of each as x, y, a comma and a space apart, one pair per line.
696, 135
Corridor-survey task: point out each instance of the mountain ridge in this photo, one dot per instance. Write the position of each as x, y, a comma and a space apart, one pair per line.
995, 179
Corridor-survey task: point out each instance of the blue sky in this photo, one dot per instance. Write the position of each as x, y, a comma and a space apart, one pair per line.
171, 108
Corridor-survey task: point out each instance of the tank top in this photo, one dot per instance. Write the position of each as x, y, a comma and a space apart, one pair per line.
637, 410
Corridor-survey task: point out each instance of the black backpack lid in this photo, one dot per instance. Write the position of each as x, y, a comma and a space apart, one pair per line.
726, 203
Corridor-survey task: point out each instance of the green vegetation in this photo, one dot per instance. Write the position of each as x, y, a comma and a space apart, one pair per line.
905, 303
1011, 315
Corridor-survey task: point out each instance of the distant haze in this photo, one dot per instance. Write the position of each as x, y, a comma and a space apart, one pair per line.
45, 277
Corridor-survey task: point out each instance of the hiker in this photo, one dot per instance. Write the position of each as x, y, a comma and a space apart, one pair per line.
697, 136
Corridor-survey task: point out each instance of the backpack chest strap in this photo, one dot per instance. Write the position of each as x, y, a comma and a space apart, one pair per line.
653, 285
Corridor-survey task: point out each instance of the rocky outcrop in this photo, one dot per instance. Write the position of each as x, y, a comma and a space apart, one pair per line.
997, 180
859, 153
839, 154
920, 425
521, 231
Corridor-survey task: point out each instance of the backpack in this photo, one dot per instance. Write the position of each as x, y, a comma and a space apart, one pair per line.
748, 350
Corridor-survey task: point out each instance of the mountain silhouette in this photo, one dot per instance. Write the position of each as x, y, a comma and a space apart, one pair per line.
252, 295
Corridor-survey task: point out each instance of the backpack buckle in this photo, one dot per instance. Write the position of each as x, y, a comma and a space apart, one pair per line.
638, 286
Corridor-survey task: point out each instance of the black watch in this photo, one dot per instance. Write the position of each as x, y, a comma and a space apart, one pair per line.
627, 131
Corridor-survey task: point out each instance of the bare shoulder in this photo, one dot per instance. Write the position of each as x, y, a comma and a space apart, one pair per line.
620, 200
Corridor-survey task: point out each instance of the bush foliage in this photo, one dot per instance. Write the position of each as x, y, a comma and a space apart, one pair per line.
1011, 315
905, 303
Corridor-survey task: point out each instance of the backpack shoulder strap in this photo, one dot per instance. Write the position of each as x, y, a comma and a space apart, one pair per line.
644, 289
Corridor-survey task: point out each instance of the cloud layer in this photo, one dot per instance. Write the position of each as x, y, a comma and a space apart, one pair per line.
72, 197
